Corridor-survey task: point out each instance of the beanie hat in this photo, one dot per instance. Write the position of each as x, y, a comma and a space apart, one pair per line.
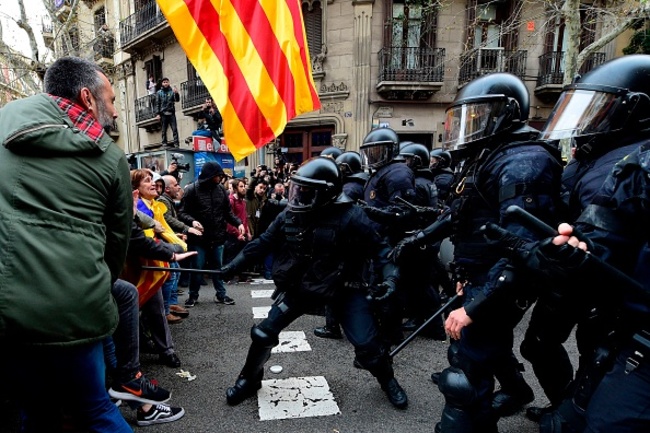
210, 170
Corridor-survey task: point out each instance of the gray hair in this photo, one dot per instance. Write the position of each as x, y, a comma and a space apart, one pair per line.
68, 75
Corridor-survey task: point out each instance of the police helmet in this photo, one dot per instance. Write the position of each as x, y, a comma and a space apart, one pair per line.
331, 152
607, 104
316, 184
349, 163
484, 108
416, 155
442, 158
379, 148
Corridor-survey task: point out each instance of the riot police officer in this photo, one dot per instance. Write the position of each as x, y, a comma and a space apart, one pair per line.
353, 179
321, 244
443, 175
390, 180
499, 165
613, 91
353, 176
421, 271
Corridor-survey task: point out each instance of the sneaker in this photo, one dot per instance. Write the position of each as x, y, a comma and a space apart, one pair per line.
139, 389
159, 414
190, 302
226, 300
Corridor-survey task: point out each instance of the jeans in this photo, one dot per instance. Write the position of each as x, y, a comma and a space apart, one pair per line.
169, 120
216, 259
127, 336
155, 321
47, 381
170, 297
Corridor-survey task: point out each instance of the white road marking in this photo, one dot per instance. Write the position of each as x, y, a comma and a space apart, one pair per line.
295, 397
261, 293
261, 312
292, 341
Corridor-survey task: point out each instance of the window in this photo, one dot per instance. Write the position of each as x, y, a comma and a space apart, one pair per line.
99, 18
409, 32
312, 14
154, 67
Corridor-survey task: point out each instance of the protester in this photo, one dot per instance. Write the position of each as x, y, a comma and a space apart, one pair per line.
66, 210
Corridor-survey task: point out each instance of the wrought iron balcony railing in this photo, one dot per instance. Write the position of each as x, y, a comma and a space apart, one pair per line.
551, 67
482, 61
193, 93
146, 18
412, 64
145, 108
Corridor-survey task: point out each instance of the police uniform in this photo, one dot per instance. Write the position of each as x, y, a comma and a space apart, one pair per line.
319, 257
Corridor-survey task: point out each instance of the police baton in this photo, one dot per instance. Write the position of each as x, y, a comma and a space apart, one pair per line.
195, 271
414, 334
533, 223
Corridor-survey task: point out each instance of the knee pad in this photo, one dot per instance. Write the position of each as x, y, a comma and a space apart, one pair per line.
456, 387
263, 338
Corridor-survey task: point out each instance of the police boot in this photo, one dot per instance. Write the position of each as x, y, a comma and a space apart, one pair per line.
514, 393
328, 332
386, 378
250, 378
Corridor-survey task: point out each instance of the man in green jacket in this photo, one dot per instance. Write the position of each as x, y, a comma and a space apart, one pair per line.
65, 220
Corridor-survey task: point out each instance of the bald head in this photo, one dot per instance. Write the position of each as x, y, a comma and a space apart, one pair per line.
172, 188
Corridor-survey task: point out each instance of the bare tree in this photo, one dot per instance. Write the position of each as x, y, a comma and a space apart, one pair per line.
29, 68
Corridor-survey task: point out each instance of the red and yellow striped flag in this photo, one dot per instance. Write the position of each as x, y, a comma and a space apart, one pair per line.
252, 56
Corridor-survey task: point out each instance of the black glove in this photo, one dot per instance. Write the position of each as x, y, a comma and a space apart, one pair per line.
405, 245
227, 272
382, 291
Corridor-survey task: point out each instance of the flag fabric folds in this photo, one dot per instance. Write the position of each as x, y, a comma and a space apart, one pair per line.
253, 58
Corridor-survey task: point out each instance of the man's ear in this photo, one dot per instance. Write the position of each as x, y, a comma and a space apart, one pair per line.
85, 99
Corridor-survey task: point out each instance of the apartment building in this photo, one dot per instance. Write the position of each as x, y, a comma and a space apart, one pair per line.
395, 63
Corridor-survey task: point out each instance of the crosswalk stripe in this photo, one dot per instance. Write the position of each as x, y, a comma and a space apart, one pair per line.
295, 397
292, 341
261, 293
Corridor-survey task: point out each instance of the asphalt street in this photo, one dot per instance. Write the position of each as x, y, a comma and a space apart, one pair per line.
212, 344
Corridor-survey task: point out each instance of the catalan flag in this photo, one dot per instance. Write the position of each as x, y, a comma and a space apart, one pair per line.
252, 56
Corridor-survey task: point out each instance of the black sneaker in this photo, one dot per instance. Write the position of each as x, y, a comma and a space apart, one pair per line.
159, 414
226, 300
190, 302
139, 389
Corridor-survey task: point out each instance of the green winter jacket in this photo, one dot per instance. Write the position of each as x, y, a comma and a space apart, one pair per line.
65, 220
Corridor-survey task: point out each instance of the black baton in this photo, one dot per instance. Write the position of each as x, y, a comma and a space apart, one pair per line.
408, 339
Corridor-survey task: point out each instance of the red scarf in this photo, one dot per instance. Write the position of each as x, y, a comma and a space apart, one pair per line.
80, 118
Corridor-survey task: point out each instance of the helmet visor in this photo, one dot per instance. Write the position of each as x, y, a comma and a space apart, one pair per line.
582, 112
303, 198
470, 122
376, 154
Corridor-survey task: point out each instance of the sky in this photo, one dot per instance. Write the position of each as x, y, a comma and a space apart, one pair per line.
14, 36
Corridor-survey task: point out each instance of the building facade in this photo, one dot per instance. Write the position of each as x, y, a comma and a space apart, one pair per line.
396, 63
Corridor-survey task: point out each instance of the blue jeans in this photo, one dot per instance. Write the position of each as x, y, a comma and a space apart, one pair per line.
47, 381
170, 297
216, 259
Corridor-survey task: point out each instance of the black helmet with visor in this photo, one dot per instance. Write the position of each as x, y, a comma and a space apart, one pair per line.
603, 107
485, 108
317, 183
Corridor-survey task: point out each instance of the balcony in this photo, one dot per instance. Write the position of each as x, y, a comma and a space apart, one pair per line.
47, 30
551, 73
146, 112
104, 49
61, 9
193, 94
410, 73
148, 25
482, 61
